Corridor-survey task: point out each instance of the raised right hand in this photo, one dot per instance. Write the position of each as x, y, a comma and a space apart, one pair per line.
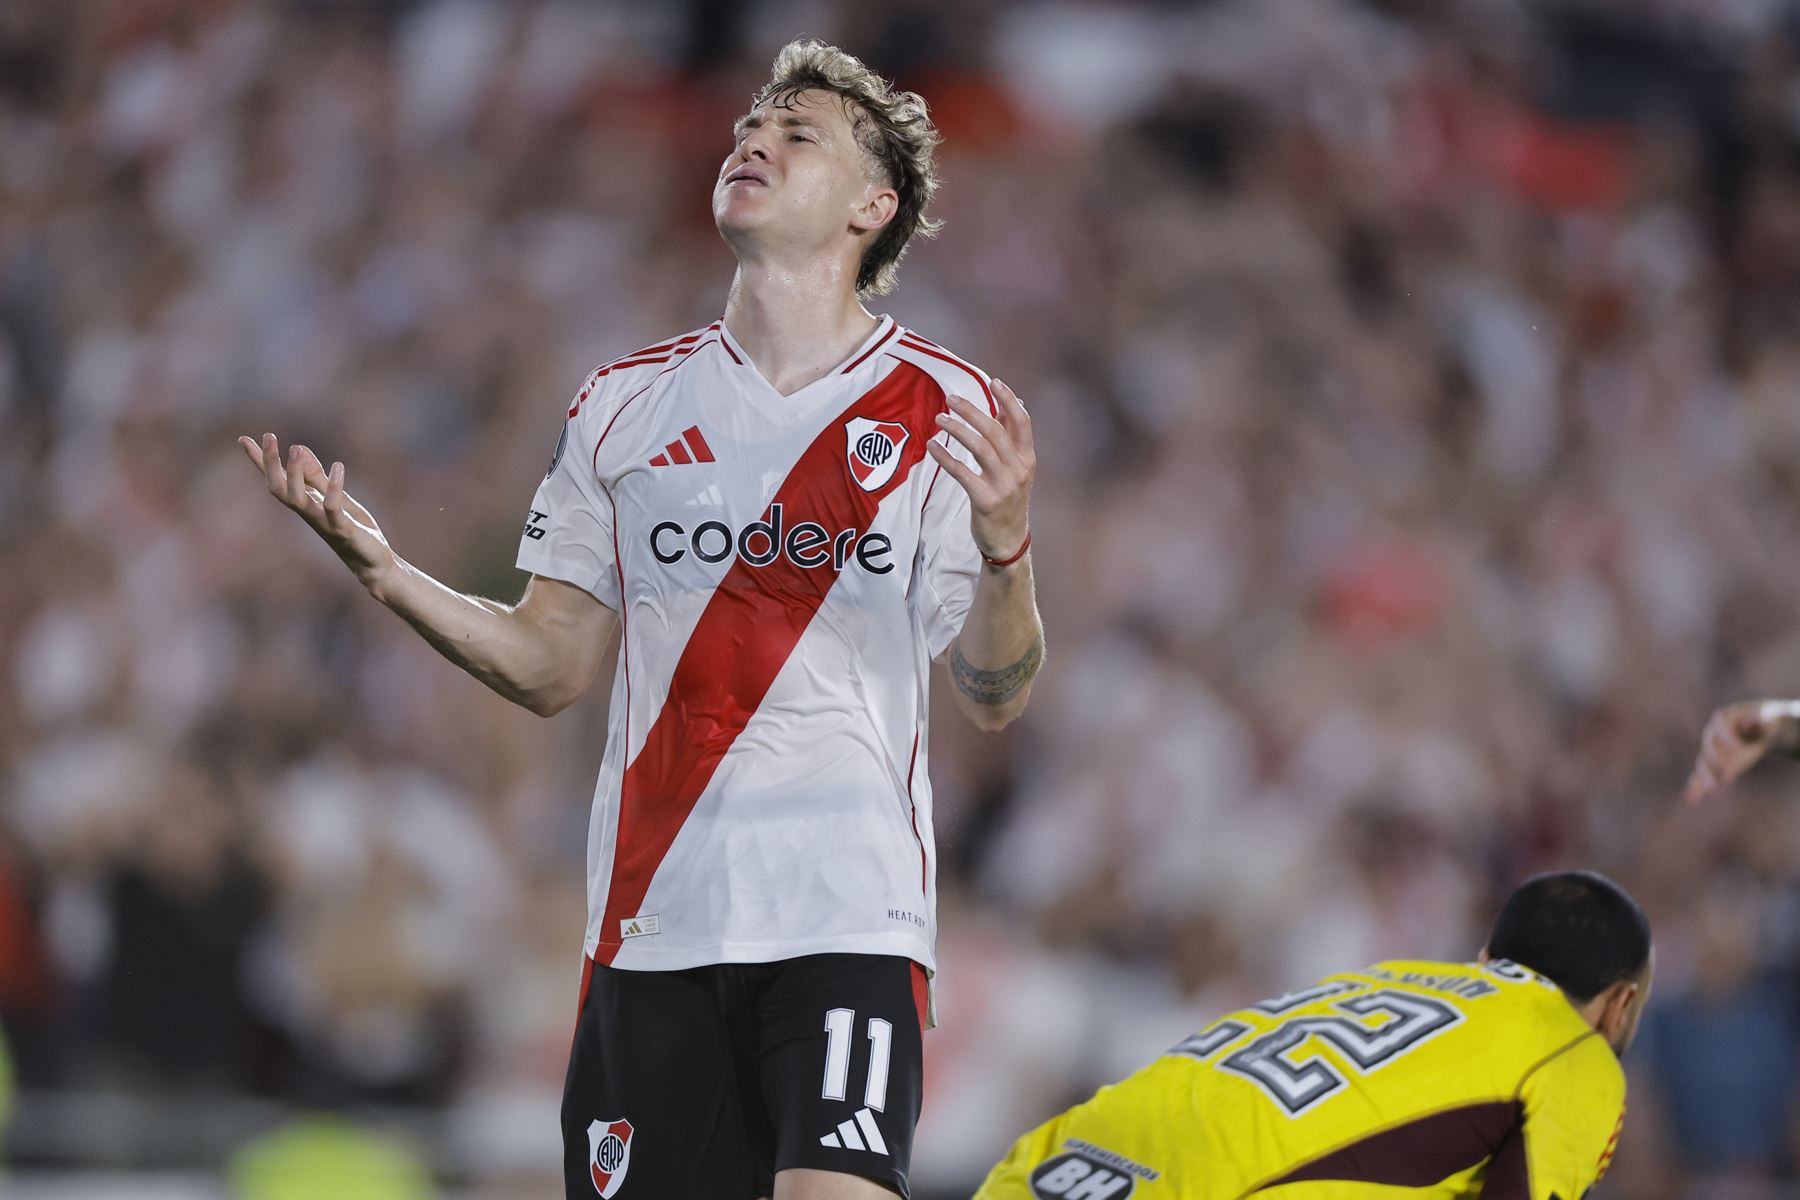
303, 484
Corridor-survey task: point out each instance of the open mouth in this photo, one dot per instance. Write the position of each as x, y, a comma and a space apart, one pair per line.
746, 175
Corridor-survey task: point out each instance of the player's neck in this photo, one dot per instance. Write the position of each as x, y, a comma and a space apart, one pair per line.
796, 325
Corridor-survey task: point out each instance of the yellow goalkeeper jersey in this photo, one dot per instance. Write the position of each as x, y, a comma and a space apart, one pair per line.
1406, 1080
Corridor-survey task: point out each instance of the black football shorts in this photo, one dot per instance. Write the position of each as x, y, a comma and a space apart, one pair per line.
701, 1084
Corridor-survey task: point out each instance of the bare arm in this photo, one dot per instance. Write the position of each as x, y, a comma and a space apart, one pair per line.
541, 653
1001, 646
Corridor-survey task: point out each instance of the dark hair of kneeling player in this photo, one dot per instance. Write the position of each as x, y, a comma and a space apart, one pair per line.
1578, 929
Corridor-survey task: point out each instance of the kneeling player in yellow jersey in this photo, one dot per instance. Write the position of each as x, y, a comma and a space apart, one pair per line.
1494, 1079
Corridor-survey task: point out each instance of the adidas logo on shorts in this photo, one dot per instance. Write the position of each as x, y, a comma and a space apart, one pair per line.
848, 1137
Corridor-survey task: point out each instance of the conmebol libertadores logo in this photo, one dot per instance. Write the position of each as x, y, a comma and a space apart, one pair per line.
873, 448
609, 1155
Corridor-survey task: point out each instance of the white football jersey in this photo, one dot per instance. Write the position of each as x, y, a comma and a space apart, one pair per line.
785, 568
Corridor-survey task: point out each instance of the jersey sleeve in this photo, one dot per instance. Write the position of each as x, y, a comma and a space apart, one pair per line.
949, 561
568, 532
1574, 1110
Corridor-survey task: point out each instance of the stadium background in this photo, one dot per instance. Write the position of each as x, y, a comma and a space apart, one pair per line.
1419, 401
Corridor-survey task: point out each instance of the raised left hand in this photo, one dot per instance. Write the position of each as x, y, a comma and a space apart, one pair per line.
1000, 491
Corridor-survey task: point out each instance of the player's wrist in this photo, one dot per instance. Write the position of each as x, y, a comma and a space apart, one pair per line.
1007, 559
381, 579
1783, 720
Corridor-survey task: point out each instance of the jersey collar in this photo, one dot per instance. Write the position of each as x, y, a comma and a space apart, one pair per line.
885, 328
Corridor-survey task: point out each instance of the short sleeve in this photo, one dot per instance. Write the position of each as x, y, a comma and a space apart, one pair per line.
948, 559
568, 532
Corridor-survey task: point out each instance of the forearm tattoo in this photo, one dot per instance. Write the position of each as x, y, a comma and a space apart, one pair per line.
996, 686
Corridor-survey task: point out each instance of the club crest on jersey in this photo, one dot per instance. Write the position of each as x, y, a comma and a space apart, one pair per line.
873, 448
609, 1155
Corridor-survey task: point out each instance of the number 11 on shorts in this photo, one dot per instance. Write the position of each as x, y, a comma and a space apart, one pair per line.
839, 1025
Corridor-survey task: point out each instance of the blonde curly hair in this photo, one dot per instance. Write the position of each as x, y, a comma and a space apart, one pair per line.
894, 130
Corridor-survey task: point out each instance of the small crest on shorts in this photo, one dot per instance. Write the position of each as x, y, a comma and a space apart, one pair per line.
609, 1155
873, 449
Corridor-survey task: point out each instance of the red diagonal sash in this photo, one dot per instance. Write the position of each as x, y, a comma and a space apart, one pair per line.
748, 631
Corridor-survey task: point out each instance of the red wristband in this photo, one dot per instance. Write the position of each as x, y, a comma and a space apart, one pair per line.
1017, 555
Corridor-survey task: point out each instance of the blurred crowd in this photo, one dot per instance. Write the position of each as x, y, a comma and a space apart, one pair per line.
1418, 391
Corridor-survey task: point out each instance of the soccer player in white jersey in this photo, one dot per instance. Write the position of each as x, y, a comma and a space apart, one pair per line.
787, 514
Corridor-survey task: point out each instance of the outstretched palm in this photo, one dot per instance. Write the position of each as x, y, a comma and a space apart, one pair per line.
318, 495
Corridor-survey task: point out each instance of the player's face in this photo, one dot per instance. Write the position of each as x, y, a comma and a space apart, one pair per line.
797, 174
